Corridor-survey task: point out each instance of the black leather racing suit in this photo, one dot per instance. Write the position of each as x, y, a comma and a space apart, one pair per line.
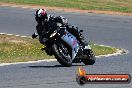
50, 23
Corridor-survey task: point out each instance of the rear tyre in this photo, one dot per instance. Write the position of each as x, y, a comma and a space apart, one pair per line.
62, 55
90, 57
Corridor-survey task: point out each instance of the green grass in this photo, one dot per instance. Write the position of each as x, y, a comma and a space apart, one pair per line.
102, 50
18, 49
105, 5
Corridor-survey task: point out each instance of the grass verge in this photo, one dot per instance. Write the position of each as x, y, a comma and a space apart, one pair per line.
104, 5
18, 49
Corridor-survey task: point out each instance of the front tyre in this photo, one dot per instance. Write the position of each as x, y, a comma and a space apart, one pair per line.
90, 57
62, 55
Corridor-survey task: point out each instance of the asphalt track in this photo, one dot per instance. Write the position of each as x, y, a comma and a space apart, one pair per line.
102, 29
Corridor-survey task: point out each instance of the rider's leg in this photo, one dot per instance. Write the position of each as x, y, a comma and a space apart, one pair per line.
76, 32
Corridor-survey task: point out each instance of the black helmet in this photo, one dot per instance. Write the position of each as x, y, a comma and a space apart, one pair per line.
40, 15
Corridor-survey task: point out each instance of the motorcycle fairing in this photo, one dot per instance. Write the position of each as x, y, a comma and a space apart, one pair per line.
72, 42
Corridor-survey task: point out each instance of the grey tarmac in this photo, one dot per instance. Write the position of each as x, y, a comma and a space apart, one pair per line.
99, 28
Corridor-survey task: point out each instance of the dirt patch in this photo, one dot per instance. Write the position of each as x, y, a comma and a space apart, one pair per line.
11, 39
65, 9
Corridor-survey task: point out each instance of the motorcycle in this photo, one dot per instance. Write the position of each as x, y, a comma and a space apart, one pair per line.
66, 49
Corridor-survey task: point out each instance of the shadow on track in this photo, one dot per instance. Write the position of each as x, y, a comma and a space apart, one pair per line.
54, 66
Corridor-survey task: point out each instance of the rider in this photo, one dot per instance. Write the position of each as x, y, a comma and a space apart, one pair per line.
45, 22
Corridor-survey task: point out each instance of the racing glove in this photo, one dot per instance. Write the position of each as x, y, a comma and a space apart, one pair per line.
34, 35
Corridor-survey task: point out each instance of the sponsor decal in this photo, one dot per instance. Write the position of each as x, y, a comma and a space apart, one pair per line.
83, 78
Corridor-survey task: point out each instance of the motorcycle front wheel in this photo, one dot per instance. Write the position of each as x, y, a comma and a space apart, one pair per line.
62, 55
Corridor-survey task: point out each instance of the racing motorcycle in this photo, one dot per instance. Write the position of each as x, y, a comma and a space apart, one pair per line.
66, 48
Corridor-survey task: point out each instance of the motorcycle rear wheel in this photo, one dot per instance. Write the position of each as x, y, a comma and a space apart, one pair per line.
90, 57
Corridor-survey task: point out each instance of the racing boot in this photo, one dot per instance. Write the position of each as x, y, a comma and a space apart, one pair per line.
81, 39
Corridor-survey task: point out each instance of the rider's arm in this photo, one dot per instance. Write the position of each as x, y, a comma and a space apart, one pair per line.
73, 27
